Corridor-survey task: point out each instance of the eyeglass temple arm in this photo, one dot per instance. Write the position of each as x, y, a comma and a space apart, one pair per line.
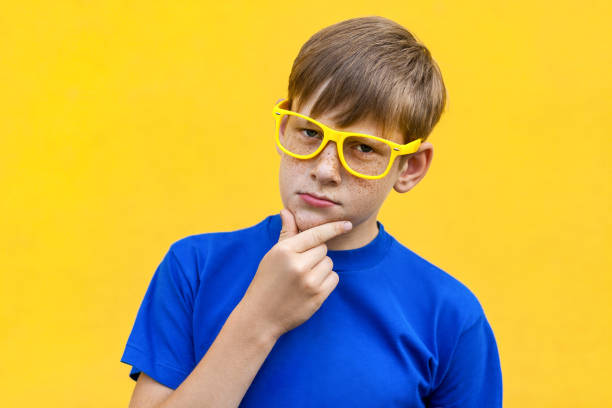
409, 148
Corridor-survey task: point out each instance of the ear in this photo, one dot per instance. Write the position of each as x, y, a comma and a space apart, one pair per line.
413, 168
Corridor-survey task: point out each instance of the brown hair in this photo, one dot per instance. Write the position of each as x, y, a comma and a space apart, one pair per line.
374, 68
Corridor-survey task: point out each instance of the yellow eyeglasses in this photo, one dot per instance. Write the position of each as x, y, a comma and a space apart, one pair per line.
362, 155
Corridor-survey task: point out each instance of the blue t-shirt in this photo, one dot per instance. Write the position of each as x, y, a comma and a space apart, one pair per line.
397, 331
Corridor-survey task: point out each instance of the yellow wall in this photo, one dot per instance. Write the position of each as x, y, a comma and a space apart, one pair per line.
112, 119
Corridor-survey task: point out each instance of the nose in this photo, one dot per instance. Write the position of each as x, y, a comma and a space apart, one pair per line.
327, 166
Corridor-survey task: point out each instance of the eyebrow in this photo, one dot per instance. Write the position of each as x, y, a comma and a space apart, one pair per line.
302, 121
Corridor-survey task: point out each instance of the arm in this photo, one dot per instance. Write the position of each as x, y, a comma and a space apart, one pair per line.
292, 281
223, 375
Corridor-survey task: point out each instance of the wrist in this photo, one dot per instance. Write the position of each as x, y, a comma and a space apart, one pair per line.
253, 327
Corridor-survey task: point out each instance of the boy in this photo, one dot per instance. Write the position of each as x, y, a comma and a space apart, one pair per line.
319, 306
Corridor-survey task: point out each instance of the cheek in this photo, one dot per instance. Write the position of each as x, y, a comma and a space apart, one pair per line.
288, 174
286, 169
370, 190
366, 195
290, 164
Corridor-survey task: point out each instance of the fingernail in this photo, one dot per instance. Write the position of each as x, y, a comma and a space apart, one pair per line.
347, 226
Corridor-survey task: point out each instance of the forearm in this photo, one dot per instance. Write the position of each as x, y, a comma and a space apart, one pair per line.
227, 370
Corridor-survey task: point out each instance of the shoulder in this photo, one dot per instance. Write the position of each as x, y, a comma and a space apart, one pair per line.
192, 245
195, 254
451, 301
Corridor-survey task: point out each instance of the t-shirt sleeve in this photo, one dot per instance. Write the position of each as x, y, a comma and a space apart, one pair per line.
161, 341
473, 378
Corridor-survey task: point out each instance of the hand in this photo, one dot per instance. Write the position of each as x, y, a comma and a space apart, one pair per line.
294, 277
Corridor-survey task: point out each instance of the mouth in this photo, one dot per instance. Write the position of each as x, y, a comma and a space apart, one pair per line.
317, 200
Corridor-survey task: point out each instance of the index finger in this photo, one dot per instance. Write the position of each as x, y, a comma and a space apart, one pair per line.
317, 235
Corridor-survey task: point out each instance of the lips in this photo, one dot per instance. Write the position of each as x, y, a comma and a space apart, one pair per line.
320, 197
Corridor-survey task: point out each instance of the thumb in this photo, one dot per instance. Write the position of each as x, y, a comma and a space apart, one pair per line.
289, 228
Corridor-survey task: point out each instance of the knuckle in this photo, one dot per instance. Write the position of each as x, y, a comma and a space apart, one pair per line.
309, 285
335, 279
296, 267
324, 247
283, 250
332, 280
282, 247
326, 264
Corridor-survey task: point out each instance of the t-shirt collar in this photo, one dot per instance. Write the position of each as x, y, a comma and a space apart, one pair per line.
361, 258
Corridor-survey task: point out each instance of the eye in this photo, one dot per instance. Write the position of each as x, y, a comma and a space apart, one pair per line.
310, 132
364, 148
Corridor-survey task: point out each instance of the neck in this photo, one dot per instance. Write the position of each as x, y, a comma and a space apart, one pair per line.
361, 235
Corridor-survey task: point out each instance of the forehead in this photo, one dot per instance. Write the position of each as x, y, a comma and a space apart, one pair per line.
365, 125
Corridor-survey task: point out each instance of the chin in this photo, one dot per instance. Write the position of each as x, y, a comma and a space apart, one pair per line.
305, 219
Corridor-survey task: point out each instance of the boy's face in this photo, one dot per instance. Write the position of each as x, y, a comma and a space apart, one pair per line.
353, 198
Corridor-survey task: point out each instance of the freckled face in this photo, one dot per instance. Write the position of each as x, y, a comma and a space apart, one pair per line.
356, 199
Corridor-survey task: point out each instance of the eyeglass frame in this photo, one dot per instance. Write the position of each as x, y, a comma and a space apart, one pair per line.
338, 137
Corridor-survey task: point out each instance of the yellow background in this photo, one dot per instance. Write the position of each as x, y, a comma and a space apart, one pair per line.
118, 137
